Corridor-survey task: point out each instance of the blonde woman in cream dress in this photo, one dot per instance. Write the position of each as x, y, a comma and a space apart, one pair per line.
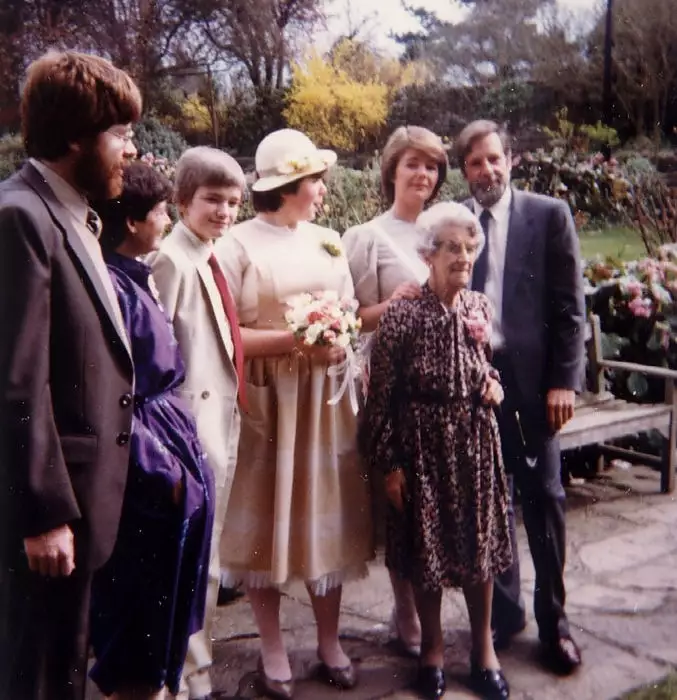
386, 266
299, 507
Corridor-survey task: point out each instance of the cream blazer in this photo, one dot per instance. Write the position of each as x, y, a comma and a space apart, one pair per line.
189, 294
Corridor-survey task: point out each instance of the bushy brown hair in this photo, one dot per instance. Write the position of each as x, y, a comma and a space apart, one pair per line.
420, 139
69, 97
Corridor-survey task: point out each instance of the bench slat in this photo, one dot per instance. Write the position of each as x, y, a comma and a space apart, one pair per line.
613, 421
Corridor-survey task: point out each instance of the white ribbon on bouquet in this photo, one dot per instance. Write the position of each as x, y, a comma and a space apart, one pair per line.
347, 372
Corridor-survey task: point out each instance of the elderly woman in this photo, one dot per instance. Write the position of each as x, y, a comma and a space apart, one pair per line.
429, 424
385, 266
299, 507
149, 597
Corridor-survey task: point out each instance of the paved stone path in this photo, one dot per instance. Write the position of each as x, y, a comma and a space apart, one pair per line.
622, 604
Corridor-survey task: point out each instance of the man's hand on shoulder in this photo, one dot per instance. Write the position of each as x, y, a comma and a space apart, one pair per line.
52, 553
560, 407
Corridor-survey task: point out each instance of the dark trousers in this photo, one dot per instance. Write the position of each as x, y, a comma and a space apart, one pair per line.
43, 633
532, 461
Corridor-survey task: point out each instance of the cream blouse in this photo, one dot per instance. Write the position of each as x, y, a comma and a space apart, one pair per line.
382, 254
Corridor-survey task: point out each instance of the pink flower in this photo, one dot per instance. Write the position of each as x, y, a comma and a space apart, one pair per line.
634, 288
478, 327
640, 308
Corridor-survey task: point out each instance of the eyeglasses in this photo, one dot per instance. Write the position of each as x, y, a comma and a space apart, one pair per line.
454, 248
125, 136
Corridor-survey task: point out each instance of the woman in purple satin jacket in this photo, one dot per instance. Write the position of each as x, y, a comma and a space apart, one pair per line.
149, 597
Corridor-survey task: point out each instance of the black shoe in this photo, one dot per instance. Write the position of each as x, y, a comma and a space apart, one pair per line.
344, 678
271, 688
228, 595
488, 683
561, 655
430, 683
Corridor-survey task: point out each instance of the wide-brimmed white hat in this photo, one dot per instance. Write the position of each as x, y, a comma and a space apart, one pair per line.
287, 155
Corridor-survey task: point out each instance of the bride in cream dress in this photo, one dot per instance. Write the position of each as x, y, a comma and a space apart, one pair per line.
299, 507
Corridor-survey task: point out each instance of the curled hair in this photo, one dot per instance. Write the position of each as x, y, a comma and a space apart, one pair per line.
70, 97
444, 215
143, 189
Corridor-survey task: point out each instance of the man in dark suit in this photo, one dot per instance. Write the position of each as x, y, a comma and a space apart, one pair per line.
530, 270
66, 375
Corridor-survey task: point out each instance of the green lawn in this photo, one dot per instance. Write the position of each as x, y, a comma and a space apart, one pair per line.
623, 243
666, 690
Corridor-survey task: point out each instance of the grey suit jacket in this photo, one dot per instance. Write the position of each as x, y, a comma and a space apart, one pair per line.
543, 314
66, 380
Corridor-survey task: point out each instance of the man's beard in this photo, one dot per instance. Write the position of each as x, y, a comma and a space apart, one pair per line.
99, 180
488, 196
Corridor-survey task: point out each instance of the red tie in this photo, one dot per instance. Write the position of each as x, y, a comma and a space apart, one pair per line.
231, 315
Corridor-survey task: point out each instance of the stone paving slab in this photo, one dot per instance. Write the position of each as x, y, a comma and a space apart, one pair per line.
622, 604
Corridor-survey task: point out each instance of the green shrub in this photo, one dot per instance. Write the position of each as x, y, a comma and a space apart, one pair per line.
12, 154
593, 188
152, 136
635, 165
455, 188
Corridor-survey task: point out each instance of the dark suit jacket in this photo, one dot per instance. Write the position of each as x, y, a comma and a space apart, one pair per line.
543, 314
66, 380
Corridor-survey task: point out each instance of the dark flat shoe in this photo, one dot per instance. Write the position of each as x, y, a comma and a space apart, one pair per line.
430, 683
561, 655
344, 678
271, 688
489, 684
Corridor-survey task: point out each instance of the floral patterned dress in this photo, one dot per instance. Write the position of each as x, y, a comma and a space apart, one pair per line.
424, 415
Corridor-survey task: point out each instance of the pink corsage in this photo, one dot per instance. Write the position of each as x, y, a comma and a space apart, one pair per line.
478, 327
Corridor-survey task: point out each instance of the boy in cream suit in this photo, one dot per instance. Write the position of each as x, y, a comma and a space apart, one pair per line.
195, 294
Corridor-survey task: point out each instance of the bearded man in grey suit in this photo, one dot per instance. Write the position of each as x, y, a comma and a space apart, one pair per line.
66, 373
530, 270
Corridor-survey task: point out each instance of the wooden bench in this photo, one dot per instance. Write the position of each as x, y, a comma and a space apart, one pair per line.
601, 417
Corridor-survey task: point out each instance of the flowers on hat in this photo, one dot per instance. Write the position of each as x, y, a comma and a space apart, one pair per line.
287, 155
291, 165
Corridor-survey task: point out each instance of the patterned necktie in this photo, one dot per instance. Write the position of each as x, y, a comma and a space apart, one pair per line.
93, 222
481, 270
231, 315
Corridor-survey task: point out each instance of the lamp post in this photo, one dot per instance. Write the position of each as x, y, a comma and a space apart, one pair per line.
606, 93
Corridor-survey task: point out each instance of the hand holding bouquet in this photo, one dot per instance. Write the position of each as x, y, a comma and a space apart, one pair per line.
326, 320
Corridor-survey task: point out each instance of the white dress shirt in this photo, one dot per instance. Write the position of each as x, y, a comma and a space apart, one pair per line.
77, 207
498, 240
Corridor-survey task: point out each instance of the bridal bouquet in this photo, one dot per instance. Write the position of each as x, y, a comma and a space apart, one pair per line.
325, 318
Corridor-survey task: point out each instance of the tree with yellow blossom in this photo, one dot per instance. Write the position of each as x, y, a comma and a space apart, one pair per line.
342, 100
